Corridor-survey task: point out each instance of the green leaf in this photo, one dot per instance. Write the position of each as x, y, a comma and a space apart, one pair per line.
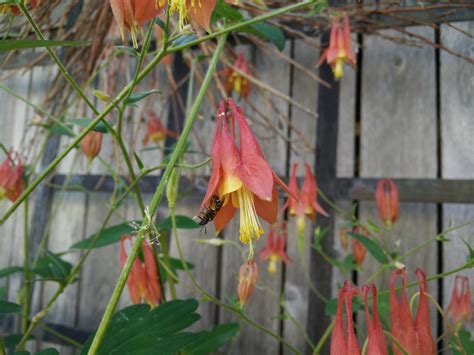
466, 342
13, 44
319, 234
51, 267
267, 32
12, 340
318, 7
182, 222
224, 10
175, 264
210, 341
9, 307
3, 293
84, 122
372, 226
107, 236
138, 330
160, 22
470, 255
135, 97
139, 161
374, 249
10, 270
56, 128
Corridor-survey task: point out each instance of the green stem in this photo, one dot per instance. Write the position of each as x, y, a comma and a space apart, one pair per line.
62, 337
26, 272
180, 146
2, 346
323, 339
148, 68
166, 260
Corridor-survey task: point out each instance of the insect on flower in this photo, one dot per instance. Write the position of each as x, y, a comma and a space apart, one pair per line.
340, 48
241, 177
210, 211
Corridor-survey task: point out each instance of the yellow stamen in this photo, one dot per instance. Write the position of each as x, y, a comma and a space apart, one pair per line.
250, 227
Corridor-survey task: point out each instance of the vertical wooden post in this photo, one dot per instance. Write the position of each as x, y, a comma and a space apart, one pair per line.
325, 169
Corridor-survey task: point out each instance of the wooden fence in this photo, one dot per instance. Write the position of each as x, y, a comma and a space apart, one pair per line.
406, 113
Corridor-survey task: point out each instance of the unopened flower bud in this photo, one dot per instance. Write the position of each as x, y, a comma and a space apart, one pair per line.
91, 144
103, 96
247, 280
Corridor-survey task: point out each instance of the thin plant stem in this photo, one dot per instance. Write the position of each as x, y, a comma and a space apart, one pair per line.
2, 346
396, 342
324, 338
63, 337
26, 271
123, 93
177, 152
166, 260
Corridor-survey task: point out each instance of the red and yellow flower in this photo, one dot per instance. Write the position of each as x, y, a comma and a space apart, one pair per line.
142, 282
92, 144
460, 308
156, 131
305, 203
414, 335
235, 82
241, 177
198, 11
340, 47
344, 344
386, 198
248, 277
274, 250
132, 14
15, 10
11, 177
376, 344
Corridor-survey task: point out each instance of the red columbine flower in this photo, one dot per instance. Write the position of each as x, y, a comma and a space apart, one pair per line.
132, 14
376, 338
386, 197
11, 177
235, 81
15, 10
358, 249
91, 144
460, 307
413, 335
143, 279
344, 344
247, 280
307, 205
274, 250
241, 177
340, 48
156, 131
198, 11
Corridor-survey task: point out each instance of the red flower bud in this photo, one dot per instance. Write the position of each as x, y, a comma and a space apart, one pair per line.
91, 144
11, 177
358, 249
386, 197
247, 280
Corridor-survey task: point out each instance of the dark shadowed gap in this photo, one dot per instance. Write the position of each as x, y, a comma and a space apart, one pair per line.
439, 173
287, 173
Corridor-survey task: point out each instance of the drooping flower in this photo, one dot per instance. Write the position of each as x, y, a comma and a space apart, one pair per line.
92, 144
414, 335
156, 131
11, 177
307, 205
274, 250
344, 344
460, 307
340, 47
358, 249
386, 198
248, 277
241, 177
143, 279
377, 344
198, 11
235, 82
132, 14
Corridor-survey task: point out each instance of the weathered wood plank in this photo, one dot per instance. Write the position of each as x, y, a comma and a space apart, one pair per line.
457, 132
305, 91
398, 139
262, 307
